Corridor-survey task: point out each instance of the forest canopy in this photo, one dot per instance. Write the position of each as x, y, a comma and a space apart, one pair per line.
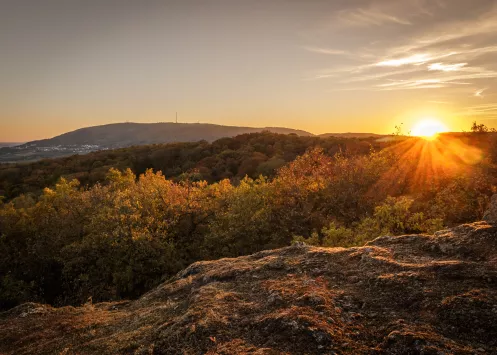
121, 235
227, 158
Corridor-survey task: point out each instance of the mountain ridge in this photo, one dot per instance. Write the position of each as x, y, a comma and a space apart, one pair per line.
117, 135
158, 135
122, 135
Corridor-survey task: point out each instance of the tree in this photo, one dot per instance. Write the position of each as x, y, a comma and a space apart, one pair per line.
481, 128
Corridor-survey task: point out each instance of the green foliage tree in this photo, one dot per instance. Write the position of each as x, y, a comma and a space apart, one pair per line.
121, 236
233, 158
393, 217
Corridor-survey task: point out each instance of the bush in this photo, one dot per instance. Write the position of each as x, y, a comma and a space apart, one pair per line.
392, 217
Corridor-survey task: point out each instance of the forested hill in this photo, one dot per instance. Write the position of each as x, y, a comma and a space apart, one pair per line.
251, 154
121, 135
128, 134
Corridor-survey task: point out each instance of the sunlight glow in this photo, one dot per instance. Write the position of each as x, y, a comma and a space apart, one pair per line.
427, 162
428, 128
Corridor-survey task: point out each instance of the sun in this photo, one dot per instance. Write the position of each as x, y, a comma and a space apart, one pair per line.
428, 128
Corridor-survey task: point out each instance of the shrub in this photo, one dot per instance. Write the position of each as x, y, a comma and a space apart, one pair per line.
392, 217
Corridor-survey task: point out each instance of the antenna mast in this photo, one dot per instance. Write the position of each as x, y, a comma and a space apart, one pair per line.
176, 117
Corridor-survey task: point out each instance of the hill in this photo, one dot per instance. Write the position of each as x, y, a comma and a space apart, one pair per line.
121, 135
411, 294
127, 134
248, 154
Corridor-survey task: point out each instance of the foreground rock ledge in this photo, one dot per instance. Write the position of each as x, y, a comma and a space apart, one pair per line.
413, 294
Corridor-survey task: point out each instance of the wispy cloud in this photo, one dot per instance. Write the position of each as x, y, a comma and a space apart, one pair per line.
412, 83
369, 17
455, 33
329, 51
410, 55
413, 59
480, 110
479, 93
446, 67
448, 55
379, 76
418, 84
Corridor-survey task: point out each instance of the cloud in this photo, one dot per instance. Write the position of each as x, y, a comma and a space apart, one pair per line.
486, 110
327, 51
414, 59
418, 84
447, 54
455, 32
446, 67
378, 76
472, 73
479, 93
411, 83
369, 17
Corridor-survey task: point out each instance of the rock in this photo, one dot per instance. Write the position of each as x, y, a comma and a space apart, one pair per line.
299, 245
445, 247
274, 299
354, 279
490, 215
412, 294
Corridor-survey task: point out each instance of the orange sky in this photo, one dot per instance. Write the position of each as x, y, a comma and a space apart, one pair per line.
336, 66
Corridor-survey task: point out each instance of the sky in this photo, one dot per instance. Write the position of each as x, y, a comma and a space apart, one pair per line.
317, 65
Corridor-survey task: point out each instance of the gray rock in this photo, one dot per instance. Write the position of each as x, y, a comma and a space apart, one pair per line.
490, 215
299, 245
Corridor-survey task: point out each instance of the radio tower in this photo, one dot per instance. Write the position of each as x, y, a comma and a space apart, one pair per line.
176, 117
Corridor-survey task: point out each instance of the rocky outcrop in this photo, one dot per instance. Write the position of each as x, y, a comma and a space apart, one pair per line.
412, 294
